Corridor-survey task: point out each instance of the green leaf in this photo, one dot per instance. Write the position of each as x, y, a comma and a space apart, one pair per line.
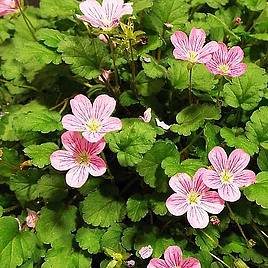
86, 57
135, 139
15, 246
102, 209
137, 207
238, 141
128, 238
258, 192
150, 167
40, 154
254, 5
193, 117
158, 204
153, 69
178, 74
207, 239
263, 160
56, 224
89, 239
51, 37
140, 5
260, 36
233, 243
9, 162
210, 132
211, 3
154, 42
246, 91
112, 238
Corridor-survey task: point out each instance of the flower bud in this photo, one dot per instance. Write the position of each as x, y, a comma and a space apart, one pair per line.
31, 219
237, 21
215, 220
240, 264
146, 252
130, 263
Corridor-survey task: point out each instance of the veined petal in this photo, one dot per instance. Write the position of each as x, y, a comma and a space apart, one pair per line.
244, 178
62, 160
197, 39
229, 192
212, 67
218, 158
112, 8
212, 179
205, 54
93, 136
177, 205
127, 9
103, 107
198, 184
157, 263
237, 70
81, 107
96, 147
77, 176
220, 56
173, 256
197, 217
181, 183
180, 42
70, 122
190, 263
180, 54
97, 166
111, 124
235, 55
211, 202
73, 141
237, 161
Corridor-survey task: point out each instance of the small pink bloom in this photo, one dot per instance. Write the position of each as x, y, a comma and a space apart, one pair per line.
193, 197
162, 124
8, 7
105, 75
146, 252
103, 38
227, 62
94, 121
192, 49
215, 220
105, 16
31, 219
173, 259
80, 158
130, 263
229, 173
237, 21
147, 116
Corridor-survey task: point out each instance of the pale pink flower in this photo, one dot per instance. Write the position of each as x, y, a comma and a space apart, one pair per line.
80, 158
229, 173
146, 252
147, 115
8, 7
105, 16
162, 124
130, 263
103, 38
173, 259
227, 62
192, 49
31, 219
105, 75
94, 121
193, 197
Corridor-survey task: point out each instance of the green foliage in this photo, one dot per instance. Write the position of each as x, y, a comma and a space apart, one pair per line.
207, 239
137, 207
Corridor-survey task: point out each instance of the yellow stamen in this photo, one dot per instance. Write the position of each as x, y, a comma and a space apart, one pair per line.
192, 56
193, 198
224, 68
94, 125
83, 158
226, 177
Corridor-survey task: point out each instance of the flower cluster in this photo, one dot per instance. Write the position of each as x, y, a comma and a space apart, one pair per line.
216, 56
193, 195
8, 7
83, 141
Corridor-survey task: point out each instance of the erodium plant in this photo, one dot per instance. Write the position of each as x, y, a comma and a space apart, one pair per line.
133, 134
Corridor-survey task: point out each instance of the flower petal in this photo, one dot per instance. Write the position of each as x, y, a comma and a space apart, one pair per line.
181, 183
197, 217
237, 70
229, 192
244, 178
62, 160
197, 39
93, 136
190, 263
73, 141
81, 107
111, 124
95, 148
220, 56
127, 9
212, 67
177, 204
212, 179
205, 54
77, 176
70, 122
103, 107
238, 160
162, 124
180, 41
173, 256
235, 56
97, 166
211, 202
157, 263
198, 184
218, 158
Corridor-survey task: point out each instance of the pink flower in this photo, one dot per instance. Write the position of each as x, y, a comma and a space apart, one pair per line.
105, 75
147, 116
80, 158
162, 124
31, 219
193, 197
146, 252
229, 173
94, 121
227, 62
105, 16
215, 220
103, 38
130, 263
192, 49
173, 259
8, 7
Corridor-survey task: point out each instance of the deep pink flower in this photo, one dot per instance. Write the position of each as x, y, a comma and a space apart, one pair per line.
192, 49
229, 173
146, 252
31, 218
227, 62
105, 16
193, 197
147, 116
94, 121
173, 259
8, 7
80, 158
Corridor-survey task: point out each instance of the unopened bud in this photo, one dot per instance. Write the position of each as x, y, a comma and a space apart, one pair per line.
237, 21
215, 220
130, 263
146, 252
240, 264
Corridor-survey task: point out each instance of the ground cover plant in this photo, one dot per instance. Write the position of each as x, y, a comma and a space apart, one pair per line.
134, 134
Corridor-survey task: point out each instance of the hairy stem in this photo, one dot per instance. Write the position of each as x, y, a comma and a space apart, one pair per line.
260, 235
220, 87
218, 259
190, 96
133, 68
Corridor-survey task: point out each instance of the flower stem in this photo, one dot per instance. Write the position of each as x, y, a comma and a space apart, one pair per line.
133, 68
237, 223
190, 96
218, 259
220, 86
260, 235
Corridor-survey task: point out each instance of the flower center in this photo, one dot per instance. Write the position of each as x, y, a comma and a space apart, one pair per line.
224, 68
192, 56
193, 198
226, 177
83, 158
93, 125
